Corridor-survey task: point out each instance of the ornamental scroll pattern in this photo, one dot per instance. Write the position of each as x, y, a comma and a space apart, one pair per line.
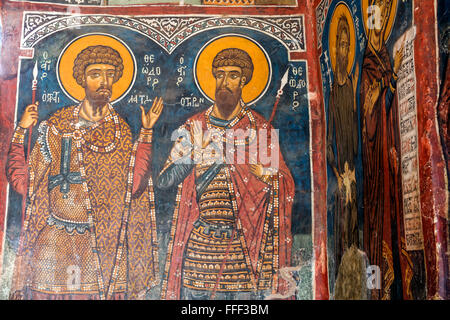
321, 15
168, 31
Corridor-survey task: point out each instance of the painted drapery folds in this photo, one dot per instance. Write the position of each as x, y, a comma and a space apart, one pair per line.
229, 150
377, 40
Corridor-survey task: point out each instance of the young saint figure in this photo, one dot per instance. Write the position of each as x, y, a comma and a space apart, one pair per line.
89, 231
231, 229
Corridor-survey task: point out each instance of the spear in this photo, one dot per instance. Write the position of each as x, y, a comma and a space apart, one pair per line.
30, 131
34, 83
18, 294
284, 80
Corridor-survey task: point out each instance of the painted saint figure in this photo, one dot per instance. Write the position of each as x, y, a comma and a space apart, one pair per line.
231, 229
383, 217
89, 232
342, 134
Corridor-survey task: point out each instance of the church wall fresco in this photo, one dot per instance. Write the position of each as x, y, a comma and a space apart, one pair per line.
393, 117
158, 63
284, 215
444, 28
181, 2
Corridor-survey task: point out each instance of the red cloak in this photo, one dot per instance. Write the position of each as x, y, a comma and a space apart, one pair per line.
383, 211
255, 200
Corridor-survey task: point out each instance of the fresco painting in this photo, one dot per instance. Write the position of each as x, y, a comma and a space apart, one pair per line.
181, 2
379, 46
129, 71
233, 150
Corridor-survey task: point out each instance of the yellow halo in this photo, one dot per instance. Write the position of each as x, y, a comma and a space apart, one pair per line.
67, 58
261, 67
391, 19
342, 9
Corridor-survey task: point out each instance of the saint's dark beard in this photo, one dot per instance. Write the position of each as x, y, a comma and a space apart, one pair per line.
226, 100
341, 66
98, 99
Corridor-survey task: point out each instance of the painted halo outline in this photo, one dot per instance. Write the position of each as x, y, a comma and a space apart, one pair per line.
391, 20
132, 58
341, 8
250, 40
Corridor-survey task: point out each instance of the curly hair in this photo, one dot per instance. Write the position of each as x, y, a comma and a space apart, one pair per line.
97, 54
236, 58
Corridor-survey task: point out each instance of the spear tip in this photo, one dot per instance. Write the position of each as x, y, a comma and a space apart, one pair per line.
35, 71
284, 80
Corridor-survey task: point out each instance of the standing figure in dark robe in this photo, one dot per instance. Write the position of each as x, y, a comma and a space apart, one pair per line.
384, 240
231, 229
342, 134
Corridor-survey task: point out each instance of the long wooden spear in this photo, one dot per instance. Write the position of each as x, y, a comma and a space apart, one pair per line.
30, 133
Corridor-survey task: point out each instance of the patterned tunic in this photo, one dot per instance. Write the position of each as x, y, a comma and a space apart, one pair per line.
203, 222
66, 253
209, 240
206, 251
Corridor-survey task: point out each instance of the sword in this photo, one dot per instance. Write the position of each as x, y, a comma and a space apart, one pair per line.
284, 80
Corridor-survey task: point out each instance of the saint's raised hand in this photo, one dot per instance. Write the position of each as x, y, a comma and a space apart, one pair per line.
398, 58
149, 118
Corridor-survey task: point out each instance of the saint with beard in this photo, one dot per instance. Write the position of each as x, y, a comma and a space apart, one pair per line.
342, 144
89, 199
231, 229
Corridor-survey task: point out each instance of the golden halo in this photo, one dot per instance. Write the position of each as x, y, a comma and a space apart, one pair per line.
67, 58
339, 10
205, 80
391, 19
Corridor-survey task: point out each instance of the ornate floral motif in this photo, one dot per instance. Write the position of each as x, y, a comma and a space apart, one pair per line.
168, 31
321, 14
33, 21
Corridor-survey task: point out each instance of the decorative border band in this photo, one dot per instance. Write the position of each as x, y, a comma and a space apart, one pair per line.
168, 31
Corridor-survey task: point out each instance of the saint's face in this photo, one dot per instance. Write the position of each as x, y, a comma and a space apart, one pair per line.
229, 77
384, 6
343, 49
229, 84
99, 80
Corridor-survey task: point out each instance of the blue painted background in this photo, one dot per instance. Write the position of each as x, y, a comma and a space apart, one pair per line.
293, 122
402, 22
